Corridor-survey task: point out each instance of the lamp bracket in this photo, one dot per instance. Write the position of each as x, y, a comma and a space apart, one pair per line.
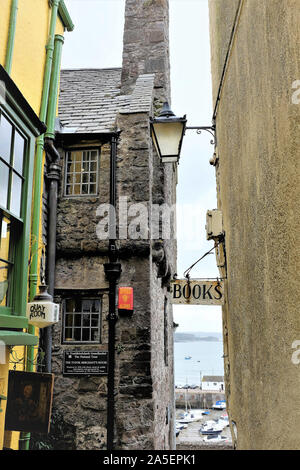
210, 129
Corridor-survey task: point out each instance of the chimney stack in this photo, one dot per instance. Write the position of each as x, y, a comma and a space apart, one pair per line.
146, 45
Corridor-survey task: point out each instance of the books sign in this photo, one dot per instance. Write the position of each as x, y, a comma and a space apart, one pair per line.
197, 292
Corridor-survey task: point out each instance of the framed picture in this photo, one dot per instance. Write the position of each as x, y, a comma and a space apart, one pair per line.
29, 402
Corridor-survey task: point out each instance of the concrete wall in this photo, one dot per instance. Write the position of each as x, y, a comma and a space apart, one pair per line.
258, 193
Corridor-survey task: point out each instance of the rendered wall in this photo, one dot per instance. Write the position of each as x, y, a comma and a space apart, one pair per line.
258, 192
32, 27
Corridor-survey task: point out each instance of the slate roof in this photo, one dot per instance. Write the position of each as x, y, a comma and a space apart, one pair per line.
90, 99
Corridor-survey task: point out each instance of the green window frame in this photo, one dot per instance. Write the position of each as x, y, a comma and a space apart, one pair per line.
17, 149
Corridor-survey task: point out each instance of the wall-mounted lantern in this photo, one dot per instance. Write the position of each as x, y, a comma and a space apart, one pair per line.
42, 312
167, 134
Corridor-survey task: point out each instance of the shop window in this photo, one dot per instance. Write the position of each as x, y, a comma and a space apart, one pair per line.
81, 320
13, 147
81, 172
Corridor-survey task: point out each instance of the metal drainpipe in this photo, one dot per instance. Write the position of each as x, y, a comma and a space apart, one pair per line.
11, 36
33, 276
112, 271
35, 229
53, 177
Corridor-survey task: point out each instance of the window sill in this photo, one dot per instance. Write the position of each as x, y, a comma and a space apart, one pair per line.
7, 320
17, 338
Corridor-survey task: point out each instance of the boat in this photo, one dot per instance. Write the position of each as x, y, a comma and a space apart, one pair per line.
180, 426
220, 405
190, 416
188, 357
212, 427
211, 432
224, 420
215, 438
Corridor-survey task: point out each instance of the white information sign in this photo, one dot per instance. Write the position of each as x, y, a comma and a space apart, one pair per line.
197, 292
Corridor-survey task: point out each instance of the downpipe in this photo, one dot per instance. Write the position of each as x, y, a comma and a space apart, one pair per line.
112, 271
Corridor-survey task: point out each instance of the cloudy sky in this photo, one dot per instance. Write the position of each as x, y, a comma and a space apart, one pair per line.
97, 42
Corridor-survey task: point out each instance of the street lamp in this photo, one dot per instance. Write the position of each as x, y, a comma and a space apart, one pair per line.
167, 134
168, 131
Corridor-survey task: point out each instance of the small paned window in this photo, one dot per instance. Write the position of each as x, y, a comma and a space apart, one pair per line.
81, 320
81, 174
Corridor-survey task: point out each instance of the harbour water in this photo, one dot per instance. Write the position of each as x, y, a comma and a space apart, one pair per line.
205, 358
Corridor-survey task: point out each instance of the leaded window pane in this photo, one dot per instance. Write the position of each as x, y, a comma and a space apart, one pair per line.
81, 172
82, 320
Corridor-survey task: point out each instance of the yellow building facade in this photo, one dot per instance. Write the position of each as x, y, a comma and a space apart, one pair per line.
31, 36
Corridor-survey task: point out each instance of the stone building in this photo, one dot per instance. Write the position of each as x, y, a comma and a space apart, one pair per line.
256, 72
105, 113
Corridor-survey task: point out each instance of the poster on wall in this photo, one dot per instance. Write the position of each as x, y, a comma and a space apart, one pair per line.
29, 402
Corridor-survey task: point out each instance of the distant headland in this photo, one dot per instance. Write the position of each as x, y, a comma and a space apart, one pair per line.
188, 337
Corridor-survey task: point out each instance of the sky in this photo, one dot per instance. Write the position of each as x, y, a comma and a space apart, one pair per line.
96, 42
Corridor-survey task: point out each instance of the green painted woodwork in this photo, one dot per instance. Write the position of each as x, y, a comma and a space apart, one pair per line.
64, 15
11, 35
13, 321
54, 84
14, 316
18, 338
33, 272
33, 276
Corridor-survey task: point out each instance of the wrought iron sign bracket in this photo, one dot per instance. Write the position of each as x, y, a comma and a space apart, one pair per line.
210, 129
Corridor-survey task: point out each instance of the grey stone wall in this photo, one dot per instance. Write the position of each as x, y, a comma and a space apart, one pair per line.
146, 45
144, 381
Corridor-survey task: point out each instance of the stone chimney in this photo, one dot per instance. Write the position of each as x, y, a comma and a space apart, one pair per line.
146, 45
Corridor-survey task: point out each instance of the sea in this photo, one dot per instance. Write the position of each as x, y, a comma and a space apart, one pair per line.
205, 353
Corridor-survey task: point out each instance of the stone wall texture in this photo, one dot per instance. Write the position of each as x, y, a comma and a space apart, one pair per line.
144, 378
146, 45
258, 192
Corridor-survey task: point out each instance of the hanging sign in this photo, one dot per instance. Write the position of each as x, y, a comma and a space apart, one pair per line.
197, 292
42, 314
29, 401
